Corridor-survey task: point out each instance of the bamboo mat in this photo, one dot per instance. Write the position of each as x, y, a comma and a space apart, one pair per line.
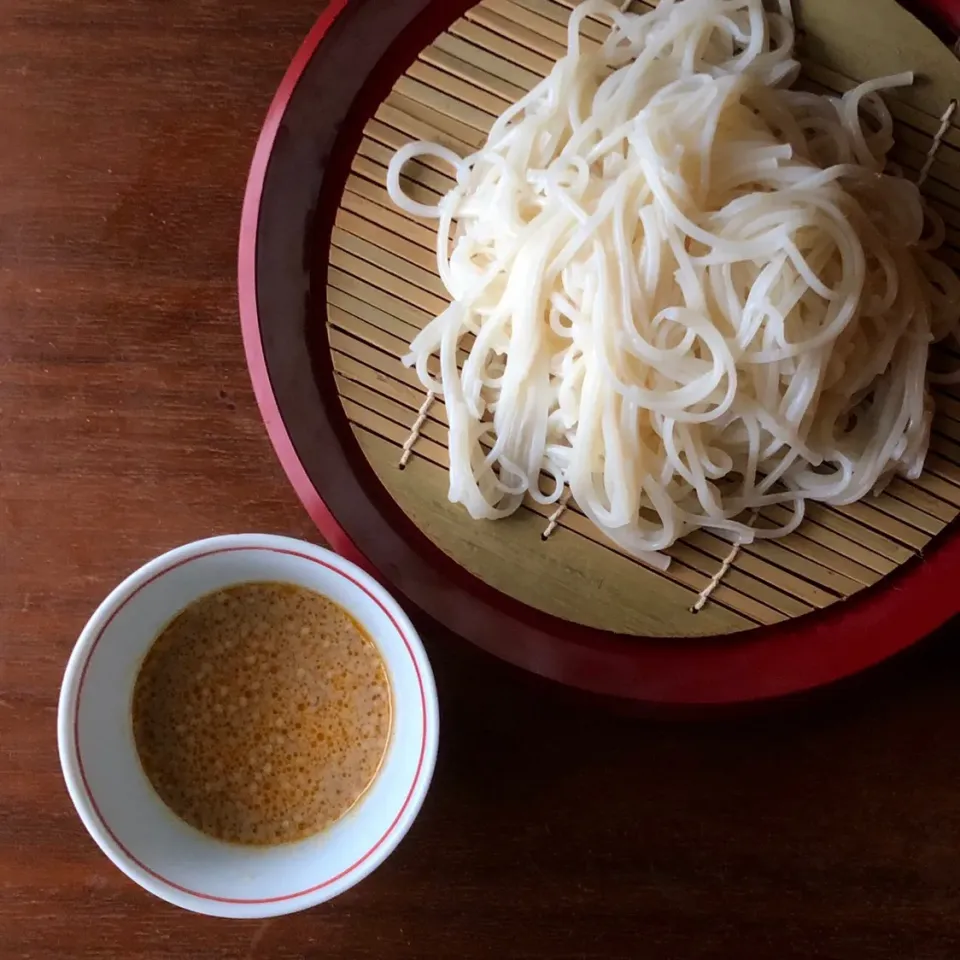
383, 288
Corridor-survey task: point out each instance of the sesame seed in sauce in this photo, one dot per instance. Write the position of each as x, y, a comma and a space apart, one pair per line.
313, 728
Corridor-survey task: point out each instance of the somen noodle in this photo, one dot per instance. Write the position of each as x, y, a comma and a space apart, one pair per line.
684, 290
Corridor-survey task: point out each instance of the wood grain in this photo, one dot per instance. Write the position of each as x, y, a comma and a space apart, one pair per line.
553, 830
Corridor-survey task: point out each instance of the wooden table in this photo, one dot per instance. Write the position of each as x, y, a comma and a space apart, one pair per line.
127, 425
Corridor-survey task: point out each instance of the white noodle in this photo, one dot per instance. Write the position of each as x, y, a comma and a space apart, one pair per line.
694, 292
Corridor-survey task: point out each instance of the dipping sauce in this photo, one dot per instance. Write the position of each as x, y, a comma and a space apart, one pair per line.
262, 713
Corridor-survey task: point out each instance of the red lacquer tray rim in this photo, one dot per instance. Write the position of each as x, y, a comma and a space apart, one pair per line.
763, 663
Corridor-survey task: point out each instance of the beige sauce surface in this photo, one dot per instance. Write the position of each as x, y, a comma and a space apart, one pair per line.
262, 713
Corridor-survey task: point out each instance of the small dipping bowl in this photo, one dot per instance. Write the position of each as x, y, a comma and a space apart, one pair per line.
127, 818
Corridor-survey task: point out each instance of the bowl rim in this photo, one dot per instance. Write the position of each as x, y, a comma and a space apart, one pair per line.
759, 664
82, 795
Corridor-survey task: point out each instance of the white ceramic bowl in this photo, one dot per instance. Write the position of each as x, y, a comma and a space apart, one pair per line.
133, 826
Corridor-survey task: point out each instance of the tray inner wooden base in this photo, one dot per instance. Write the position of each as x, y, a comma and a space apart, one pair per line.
383, 287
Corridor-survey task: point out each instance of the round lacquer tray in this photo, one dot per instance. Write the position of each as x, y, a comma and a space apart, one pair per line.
334, 282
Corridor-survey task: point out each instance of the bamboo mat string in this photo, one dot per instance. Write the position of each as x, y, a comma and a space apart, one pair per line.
707, 591
937, 140
715, 580
554, 517
416, 428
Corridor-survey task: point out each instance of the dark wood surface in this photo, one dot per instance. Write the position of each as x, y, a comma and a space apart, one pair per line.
127, 425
